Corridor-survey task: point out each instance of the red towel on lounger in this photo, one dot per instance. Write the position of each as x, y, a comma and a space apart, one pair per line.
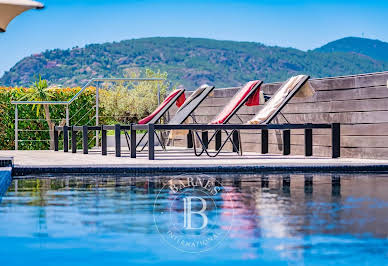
181, 100
234, 102
160, 107
254, 99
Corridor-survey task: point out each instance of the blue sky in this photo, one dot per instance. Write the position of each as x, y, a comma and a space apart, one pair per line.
300, 24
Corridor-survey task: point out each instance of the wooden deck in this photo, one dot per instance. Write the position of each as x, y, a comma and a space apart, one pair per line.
178, 160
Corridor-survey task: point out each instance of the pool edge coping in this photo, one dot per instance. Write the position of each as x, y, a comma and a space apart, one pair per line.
18, 170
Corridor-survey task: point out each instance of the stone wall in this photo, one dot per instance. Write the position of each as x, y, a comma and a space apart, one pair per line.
358, 102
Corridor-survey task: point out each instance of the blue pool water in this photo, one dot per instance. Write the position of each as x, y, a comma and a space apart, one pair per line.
260, 219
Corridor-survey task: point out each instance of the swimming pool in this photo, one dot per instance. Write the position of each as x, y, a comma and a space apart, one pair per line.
262, 219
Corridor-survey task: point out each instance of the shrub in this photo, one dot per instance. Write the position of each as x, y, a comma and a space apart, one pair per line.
130, 101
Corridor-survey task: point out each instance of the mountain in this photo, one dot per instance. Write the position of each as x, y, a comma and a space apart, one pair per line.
373, 48
188, 61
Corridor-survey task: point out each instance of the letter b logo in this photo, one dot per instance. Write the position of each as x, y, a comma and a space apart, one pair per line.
187, 223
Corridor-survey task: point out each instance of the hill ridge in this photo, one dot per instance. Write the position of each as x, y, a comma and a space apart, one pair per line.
188, 61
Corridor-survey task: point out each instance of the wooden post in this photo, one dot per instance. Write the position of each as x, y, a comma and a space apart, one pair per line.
65, 139
336, 140
308, 141
104, 140
118, 140
56, 144
218, 140
235, 137
205, 139
286, 142
133, 142
151, 142
73, 140
189, 139
85, 140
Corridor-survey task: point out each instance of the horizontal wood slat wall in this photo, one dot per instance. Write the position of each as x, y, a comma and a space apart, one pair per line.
358, 102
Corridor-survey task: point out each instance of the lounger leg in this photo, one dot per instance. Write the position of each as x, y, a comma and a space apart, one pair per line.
308, 142
218, 140
264, 141
127, 139
103, 141
73, 140
160, 140
133, 142
205, 139
85, 140
65, 139
55, 139
235, 138
336, 140
118, 140
190, 140
151, 142
286, 142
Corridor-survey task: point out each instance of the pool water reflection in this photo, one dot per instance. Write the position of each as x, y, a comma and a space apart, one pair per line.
278, 219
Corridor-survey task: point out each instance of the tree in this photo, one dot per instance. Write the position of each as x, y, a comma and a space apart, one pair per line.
41, 92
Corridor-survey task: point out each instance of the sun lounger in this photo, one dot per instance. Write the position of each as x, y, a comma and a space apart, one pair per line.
175, 97
270, 110
249, 94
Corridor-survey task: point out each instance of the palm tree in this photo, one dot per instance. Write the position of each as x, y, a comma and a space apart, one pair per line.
40, 92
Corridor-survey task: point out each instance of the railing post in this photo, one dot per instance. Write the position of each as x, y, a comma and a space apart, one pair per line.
56, 144
67, 120
65, 138
308, 141
97, 114
218, 140
16, 127
190, 139
264, 141
205, 139
286, 142
85, 140
133, 141
336, 140
67, 115
151, 142
118, 140
103, 141
73, 140
158, 92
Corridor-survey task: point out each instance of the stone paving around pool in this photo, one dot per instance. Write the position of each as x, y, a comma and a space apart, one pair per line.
175, 160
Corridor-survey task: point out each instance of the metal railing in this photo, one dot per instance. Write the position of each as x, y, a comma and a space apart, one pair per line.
67, 103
